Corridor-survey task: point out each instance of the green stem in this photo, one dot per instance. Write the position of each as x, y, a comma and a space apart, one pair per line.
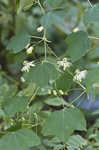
77, 97
45, 45
90, 4
43, 11
93, 37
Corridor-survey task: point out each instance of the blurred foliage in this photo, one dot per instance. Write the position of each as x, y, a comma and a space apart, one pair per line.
44, 108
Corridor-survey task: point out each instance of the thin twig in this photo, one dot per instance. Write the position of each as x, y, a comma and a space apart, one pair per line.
77, 97
90, 4
41, 7
93, 37
36, 37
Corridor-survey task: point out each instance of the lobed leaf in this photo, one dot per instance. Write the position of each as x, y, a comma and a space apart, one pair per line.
18, 42
42, 74
62, 123
14, 105
77, 45
64, 82
22, 139
91, 15
92, 78
55, 101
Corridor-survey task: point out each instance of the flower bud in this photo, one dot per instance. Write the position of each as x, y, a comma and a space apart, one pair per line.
23, 119
29, 50
54, 92
40, 29
22, 79
61, 92
49, 92
76, 29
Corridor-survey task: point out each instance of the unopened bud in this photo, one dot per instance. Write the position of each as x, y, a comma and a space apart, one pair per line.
49, 92
76, 29
40, 29
11, 122
29, 50
61, 92
23, 119
22, 79
54, 92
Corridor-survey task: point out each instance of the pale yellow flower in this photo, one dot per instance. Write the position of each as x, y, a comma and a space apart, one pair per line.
27, 66
64, 63
80, 75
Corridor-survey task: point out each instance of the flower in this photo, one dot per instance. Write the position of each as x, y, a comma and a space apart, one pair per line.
40, 29
29, 50
64, 63
27, 66
80, 75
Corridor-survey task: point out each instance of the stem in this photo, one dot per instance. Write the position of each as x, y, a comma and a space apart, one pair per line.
45, 45
36, 37
90, 4
81, 85
77, 97
44, 36
41, 7
53, 53
93, 37
33, 96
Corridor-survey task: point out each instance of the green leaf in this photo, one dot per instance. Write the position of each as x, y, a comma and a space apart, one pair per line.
90, 147
94, 53
53, 17
58, 147
64, 82
25, 5
56, 101
44, 91
92, 78
14, 105
40, 49
20, 140
77, 45
6, 89
62, 123
18, 42
42, 74
41, 147
70, 19
91, 15
35, 108
76, 142
63, 20
51, 142
29, 90
54, 4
